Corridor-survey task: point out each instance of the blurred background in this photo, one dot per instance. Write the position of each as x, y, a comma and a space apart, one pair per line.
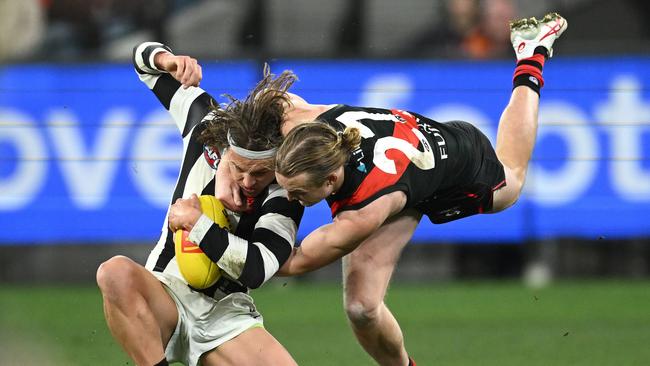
89, 158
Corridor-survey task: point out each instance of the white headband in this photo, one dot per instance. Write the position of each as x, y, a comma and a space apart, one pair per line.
250, 154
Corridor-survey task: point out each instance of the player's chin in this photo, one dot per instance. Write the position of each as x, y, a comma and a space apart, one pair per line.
307, 204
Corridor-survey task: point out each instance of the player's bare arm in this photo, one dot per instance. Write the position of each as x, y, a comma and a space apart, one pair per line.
185, 69
349, 229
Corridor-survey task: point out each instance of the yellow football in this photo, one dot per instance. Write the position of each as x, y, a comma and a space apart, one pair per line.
198, 270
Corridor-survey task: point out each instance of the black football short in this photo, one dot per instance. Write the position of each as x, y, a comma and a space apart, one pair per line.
474, 197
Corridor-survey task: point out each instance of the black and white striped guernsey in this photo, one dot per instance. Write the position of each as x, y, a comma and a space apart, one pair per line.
262, 239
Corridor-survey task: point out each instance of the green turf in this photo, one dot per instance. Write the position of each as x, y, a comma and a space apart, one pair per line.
580, 323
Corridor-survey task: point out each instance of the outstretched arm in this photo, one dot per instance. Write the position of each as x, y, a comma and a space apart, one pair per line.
349, 229
174, 80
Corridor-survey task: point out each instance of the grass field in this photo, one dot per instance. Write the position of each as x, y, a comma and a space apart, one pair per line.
466, 323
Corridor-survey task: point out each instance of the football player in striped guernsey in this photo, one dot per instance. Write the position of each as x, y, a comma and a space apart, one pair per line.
151, 310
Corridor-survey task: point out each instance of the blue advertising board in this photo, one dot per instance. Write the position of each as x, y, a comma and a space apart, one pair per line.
87, 154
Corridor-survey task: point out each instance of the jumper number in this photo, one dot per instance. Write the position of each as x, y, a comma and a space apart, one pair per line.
424, 160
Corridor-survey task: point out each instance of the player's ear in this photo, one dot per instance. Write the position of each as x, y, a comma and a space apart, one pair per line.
332, 178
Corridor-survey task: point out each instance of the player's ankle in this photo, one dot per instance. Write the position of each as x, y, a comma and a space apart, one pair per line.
529, 71
541, 50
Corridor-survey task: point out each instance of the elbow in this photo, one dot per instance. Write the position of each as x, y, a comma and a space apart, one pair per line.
135, 53
135, 49
299, 271
252, 282
293, 266
254, 285
252, 278
291, 270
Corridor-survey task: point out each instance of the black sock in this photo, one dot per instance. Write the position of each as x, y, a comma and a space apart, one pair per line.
529, 70
162, 362
541, 50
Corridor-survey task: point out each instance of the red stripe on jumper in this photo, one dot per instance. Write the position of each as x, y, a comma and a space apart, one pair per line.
378, 179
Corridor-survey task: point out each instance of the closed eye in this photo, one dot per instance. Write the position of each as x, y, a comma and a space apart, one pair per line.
237, 168
296, 194
259, 173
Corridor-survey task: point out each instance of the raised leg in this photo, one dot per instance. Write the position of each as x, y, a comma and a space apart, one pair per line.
532, 41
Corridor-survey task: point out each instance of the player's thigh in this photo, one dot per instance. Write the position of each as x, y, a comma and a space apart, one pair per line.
507, 196
161, 304
256, 346
367, 270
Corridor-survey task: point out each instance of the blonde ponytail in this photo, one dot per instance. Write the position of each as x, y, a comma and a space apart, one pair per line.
317, 149
350, 139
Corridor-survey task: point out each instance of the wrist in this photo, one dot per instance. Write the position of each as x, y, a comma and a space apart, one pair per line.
199, 229
159, 59
193, 218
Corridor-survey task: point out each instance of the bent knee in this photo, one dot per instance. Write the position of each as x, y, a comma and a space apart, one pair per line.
362, 313
116, 274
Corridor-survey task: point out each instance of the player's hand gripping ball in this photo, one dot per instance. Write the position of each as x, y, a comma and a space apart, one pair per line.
197, 269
